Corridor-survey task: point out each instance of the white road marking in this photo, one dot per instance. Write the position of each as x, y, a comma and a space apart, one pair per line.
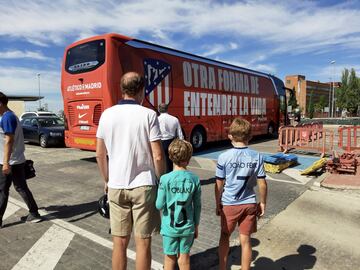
10, 209
84, 233
296, 174
268, 177
47, 251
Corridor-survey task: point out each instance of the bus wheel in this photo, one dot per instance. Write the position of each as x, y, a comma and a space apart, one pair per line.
198, 138
271, 130
43, 141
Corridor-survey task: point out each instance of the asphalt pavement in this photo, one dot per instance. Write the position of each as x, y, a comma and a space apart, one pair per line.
305, 227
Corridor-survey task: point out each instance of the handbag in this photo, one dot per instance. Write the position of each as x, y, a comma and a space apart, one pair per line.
29, 169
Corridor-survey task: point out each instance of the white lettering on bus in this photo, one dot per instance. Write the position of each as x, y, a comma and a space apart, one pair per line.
207, 104
203, 77
187, 74
82, 107
85, 86
186, 103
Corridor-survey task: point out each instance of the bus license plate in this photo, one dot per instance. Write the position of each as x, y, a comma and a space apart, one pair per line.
84, 127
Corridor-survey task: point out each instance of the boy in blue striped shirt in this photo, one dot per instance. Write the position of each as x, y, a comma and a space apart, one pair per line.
238, 171
179, 196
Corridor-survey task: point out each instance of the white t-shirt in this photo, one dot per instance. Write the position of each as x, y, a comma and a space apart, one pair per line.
170, 127
127, 130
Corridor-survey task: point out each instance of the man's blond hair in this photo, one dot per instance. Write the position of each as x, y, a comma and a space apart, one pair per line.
132, 84
240, 130
180, 151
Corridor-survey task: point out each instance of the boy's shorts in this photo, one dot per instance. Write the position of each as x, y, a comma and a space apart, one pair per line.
134, 208
244, 215
176, 245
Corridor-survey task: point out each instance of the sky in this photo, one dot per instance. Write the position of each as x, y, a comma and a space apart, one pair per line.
277, 37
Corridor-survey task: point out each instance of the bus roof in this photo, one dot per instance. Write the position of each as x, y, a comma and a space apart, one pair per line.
148, 45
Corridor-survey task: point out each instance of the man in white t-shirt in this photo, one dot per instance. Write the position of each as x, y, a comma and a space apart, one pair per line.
129, 135
170, 129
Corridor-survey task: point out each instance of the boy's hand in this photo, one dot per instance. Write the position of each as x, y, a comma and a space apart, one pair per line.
218, 209
261, 209
196, 233
6, 169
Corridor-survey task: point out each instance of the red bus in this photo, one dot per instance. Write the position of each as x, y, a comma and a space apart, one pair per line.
204, 94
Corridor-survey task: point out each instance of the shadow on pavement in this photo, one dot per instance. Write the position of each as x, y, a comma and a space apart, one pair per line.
208, 181
83, 210
209, 259
302, 260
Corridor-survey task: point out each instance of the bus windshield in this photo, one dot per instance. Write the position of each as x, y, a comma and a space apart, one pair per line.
85, 57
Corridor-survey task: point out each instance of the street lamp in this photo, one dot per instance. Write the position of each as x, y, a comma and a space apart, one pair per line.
333, 89
330, 79
38, 75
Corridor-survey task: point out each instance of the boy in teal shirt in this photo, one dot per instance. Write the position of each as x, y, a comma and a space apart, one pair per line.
179, 196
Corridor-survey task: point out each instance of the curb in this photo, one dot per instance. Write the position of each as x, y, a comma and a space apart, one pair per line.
317, 182
320, 184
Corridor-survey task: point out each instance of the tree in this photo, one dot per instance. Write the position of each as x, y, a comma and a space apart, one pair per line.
311, 107
292, 99
320, 105
348, 94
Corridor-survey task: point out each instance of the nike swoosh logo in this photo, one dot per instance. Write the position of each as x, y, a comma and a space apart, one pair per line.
82, 115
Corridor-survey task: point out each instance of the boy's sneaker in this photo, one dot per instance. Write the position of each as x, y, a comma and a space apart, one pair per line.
32, 218
1, 223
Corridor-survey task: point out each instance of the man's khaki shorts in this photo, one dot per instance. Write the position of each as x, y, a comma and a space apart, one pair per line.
134, 208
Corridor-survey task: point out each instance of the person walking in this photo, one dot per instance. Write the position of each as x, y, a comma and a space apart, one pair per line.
238, 171
130, 159
170, 129
12, 162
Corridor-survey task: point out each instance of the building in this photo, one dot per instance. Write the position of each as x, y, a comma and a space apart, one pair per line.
17, 103
303, 88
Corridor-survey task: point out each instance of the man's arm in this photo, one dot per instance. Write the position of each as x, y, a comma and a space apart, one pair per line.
101, 159
263, 195
179, 131
219, 186
8, 146
158, 158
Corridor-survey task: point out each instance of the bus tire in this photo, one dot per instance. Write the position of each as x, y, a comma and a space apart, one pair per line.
271, 131
198, 138
43, 141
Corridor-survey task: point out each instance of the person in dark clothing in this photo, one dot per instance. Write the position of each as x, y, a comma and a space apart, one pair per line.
12, 162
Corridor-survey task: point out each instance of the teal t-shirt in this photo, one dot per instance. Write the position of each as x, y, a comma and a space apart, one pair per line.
179, 196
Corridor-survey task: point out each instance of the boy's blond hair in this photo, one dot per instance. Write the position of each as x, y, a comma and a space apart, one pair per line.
180, 151
240, 130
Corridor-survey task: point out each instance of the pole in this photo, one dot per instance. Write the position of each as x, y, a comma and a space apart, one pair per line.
38, 75
330, 79
333, 89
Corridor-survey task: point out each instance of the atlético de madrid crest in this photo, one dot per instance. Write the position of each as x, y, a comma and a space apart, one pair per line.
157, 81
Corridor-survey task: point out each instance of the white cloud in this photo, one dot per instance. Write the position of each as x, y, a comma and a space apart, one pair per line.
286, 25
16, 54
216, 49
24, 81
331, 72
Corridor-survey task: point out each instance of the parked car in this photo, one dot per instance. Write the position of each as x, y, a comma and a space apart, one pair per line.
44, 130
38, 113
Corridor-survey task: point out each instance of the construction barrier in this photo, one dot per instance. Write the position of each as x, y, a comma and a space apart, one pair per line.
349, 138
310, 137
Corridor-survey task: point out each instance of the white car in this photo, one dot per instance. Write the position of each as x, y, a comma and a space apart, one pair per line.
39, 113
